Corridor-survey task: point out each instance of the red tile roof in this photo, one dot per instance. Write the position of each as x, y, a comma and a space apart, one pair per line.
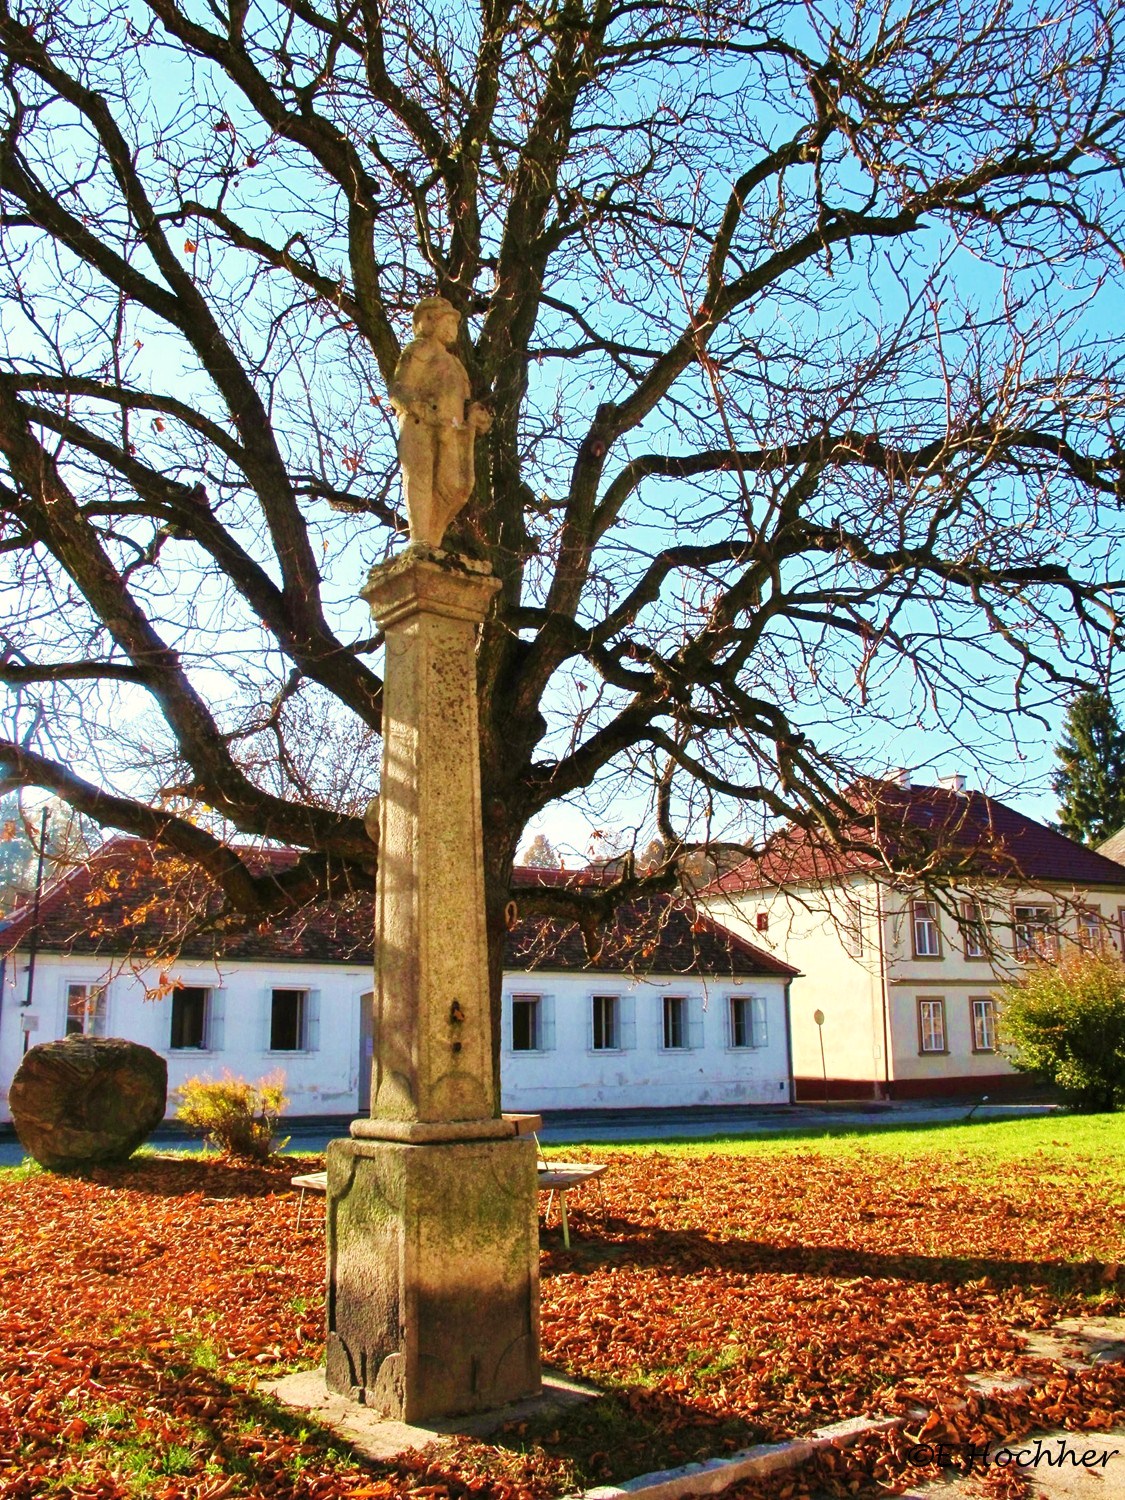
131, 899
927, 832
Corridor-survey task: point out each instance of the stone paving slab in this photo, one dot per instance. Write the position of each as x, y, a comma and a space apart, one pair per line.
1077, 1342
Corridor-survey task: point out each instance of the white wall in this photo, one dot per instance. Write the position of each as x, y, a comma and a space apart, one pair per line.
325, 1079
321, 1080
569, 1074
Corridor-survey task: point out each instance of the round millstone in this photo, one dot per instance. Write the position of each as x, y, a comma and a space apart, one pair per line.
87, 1099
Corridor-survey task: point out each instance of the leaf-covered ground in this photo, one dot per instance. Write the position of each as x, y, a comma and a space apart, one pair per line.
718, 1299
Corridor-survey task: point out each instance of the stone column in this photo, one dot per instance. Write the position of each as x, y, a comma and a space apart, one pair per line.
433, 1243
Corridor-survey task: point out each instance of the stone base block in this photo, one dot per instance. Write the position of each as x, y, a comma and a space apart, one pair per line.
433, 1275
379, 1438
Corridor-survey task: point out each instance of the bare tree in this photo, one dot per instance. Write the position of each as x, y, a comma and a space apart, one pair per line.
796, 324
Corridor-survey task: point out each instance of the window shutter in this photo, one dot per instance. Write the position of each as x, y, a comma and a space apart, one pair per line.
311, 1037
547, 1023
265, 1020
759, 1026
627, 1021
695, 1022
216, 1019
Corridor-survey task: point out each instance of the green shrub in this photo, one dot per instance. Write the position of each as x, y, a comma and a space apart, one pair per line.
236, 1116
1065, 1022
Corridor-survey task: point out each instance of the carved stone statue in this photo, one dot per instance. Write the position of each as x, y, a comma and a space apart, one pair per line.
438, 423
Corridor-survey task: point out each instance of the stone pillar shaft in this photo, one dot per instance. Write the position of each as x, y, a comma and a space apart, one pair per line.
433, 1049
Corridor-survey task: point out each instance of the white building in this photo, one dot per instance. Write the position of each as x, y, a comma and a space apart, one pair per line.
674, 1011
902, 945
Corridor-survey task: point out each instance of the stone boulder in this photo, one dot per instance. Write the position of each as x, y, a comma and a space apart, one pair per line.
87, 1099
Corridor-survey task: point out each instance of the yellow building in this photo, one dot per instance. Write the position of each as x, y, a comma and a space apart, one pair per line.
903, 933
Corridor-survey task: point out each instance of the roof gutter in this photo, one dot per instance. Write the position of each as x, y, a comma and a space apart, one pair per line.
33, 935
792, 1082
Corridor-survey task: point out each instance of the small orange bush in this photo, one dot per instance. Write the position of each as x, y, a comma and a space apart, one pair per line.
236, 1116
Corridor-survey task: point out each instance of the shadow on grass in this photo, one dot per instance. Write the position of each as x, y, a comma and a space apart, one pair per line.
621, 1242
214, 1177
616, 1435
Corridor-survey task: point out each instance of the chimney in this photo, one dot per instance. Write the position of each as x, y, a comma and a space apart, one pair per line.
954, 782
900, 776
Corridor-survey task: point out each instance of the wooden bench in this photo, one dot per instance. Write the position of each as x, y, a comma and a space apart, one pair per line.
559, 1177
554, 1177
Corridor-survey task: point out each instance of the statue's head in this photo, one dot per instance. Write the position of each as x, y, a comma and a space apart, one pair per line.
431, 312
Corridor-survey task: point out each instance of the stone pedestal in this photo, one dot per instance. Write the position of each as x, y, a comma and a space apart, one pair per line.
433, 1276
433, 1241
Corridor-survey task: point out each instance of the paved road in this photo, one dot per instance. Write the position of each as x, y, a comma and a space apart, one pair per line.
588, 1127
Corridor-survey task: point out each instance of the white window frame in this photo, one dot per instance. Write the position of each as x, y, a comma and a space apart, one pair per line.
757, 1011
929, 1007
545, 1022
623, 1007
987, 1009
1037, 936
308, 1020
973, 929
97, 1014
853, 926
210, 1021
610, 1007
925, 922
1091, 933
675, 1023
536, 1030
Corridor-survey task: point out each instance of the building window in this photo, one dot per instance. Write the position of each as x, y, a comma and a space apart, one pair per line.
984, 1024
762, 921
85, 1010
1090, 933
288, 1021
748, 1021
606, 1022
853, 927
1034, 931
931, 1025
190, 1010
927, 933
527, 1030
973, 931
675, 1023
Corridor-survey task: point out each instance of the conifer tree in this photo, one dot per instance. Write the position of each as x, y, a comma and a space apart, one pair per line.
1091, 777
540, 854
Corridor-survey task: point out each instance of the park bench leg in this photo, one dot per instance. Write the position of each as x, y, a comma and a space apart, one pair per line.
562, 1215
300, 1209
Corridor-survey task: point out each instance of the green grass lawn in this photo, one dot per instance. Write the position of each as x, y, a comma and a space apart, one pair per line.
1058, 1145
